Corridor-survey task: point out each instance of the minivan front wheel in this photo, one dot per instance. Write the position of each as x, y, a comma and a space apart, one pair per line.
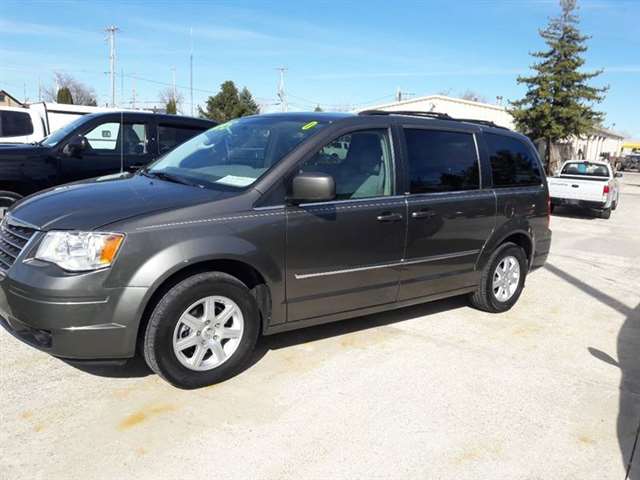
502, 279
202, 331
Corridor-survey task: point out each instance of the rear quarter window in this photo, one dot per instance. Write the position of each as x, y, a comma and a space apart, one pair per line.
15, 124
513, 164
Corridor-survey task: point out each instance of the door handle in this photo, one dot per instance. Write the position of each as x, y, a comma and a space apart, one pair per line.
389, 217
423, 214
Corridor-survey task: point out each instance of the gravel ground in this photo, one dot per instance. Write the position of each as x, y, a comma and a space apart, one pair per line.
550, 389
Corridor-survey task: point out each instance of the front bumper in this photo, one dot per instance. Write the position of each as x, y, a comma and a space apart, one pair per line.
72, 316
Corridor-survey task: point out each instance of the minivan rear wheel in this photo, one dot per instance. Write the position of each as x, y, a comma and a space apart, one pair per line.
502, 279
202, 331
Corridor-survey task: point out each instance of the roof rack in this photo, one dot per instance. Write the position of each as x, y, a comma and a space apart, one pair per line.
438, 115
487, 123
412, 113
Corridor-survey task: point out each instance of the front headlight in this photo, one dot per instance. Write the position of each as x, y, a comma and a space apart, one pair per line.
80, 251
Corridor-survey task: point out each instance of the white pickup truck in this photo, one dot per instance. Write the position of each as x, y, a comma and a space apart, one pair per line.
586, 184
31, 123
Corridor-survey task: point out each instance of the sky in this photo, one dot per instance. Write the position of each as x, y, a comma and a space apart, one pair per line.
339, 55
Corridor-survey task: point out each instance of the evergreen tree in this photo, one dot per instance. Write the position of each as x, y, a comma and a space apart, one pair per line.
171, 106
317, 109
229, 103
64, 96
559, 102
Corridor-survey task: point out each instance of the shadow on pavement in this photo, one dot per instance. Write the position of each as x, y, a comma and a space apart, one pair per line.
574, 212
628, 351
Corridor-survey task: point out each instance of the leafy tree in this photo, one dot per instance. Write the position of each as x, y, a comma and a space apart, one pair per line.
559, 102
64, 96
229, 103
317, 109
81, 94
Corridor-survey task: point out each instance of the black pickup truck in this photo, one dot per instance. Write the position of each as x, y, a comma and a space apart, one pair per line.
91, 146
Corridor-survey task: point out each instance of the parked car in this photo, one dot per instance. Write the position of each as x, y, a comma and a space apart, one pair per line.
92, 145
33, 122
253, 228
586, 184
630, 162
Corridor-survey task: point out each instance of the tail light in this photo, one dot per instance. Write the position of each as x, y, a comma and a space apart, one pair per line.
605, 190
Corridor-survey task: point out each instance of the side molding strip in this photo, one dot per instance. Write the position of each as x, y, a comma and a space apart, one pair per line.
433, 258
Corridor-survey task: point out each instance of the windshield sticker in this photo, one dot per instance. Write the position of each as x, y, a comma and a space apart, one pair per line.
235, 181
309, 125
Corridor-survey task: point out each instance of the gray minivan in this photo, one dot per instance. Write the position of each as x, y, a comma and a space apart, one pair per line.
272, 223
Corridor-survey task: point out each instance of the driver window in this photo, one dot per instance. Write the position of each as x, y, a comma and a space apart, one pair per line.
106, 138
359, 162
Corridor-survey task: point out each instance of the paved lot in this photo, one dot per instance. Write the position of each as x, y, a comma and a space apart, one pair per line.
550, 389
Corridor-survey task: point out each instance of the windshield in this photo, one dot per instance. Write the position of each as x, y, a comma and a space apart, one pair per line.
236, 153
54, 138
587, 169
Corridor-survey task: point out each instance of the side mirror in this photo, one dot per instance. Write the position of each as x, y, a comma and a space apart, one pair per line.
312, 187
618, 175
75, 146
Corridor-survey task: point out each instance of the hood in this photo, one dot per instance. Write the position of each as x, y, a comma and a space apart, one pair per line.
90, 204
18, 148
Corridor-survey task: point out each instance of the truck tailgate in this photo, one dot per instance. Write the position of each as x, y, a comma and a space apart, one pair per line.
577, 189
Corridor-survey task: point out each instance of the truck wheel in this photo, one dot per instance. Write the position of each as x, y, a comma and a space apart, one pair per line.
552, 207
606, 213
202, 331
502, 279
6, 200
614, 205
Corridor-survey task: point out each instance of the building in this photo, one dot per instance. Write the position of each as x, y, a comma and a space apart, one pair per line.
601, 143
454, 107
7, 100
631, 146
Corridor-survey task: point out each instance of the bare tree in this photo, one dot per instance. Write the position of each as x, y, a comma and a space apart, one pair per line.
171, 103
473, 96
81, 93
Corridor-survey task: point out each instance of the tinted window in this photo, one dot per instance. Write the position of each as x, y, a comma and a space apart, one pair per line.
512, 162
441, 161
15, 124
360, 163
170, 137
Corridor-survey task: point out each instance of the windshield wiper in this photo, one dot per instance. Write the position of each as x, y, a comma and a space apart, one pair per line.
169, 177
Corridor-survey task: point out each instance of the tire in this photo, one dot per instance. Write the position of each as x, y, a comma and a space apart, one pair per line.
552, 207
484, 298
614, 205
165, 329
6, 200
606, 213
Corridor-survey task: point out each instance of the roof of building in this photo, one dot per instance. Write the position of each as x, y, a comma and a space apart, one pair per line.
7, 94
407, 103
608, 133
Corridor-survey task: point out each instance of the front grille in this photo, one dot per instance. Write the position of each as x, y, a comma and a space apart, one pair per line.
13, 238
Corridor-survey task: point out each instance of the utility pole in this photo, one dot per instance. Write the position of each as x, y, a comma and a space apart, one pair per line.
121, 85
133, 93
191, 71
281, 93
173, 82
39, 90
111, 30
